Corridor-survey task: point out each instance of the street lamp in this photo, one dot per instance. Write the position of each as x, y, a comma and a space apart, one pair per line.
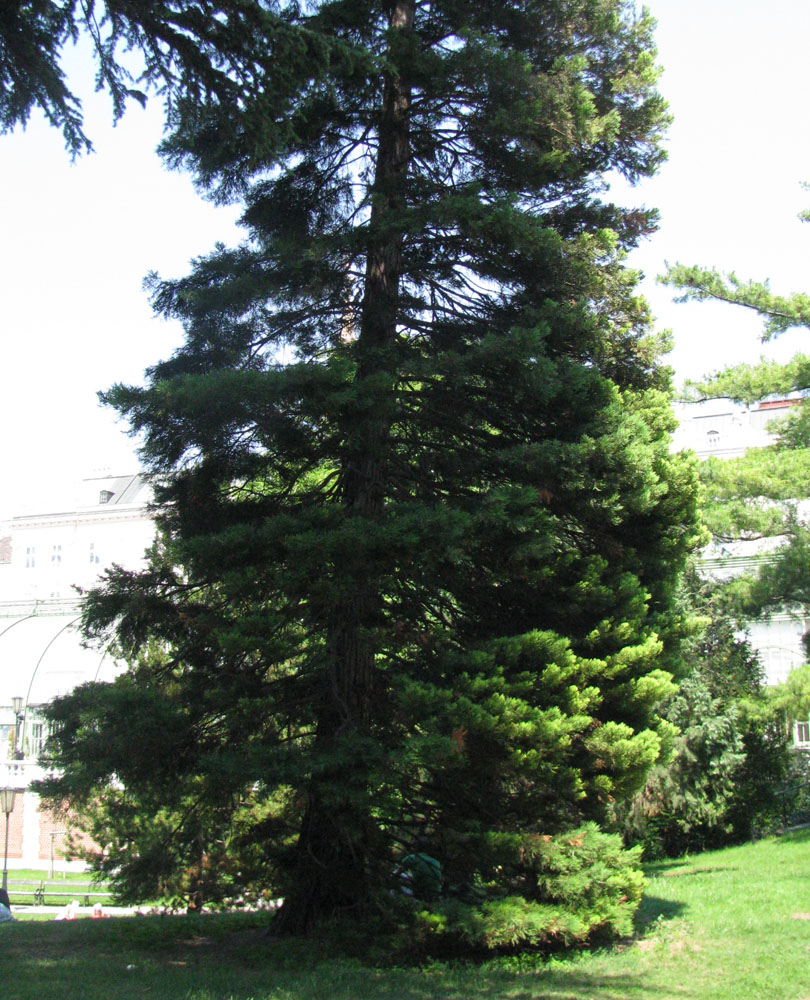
7, 796
16, 704
54, 835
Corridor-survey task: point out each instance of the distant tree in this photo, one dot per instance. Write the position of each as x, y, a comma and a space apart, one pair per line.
762, 494
779, 312
791, 697
422, 528
683, 804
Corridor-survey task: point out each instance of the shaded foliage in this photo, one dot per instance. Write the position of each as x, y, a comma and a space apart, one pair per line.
731, 757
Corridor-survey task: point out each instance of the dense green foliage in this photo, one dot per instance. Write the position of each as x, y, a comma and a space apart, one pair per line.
588, 885
169, 833
683, 805
421, 529
731, 755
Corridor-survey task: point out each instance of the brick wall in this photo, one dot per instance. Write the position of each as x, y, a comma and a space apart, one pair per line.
15, 828
48, 824
64, 833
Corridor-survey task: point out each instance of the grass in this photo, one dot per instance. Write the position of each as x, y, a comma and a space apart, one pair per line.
37, 875
730, 925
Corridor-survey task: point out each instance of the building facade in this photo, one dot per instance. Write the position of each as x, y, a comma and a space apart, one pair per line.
46, 558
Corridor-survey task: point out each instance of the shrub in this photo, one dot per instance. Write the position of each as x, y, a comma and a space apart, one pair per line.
721, 785
583, 883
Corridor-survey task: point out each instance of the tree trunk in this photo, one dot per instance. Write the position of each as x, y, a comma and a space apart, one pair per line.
332, 871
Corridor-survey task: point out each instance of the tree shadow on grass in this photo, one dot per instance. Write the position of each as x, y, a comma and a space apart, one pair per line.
99, 962
653, 909
664, 866
579, 981
568, 984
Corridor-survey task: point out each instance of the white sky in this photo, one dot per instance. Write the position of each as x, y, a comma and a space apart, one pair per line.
77, 239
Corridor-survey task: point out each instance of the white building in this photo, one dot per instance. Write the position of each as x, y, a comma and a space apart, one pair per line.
44, 557
721, 428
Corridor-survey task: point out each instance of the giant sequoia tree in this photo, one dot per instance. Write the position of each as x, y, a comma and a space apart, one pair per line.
420, 525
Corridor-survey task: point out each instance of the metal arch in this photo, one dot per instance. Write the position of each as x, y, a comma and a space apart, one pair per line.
42, 657
8, 628
64, 628
101, 661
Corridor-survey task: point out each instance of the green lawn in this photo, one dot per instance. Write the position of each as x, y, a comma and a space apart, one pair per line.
731, 925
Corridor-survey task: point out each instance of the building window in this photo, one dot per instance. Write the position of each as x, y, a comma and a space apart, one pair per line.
56, 555
713, 438
37, 738
93, 554
105, 496
803, 732
30, 557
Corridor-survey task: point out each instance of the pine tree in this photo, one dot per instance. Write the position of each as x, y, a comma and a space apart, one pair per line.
421, 525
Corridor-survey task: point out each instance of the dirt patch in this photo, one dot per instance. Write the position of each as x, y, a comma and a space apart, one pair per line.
196, 942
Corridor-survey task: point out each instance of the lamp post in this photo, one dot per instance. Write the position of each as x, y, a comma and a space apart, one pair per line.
7, 796
18, 716
54, 835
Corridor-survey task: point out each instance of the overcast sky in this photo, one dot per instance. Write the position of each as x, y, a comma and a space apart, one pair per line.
79, 238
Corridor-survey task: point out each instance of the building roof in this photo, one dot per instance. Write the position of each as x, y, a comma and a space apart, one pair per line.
96, 495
